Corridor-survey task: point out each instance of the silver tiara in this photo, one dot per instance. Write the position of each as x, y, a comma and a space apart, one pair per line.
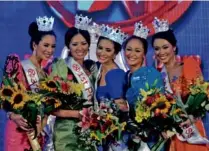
82, 22
95, 32
141, 31
160, 25
45, 23
113, 34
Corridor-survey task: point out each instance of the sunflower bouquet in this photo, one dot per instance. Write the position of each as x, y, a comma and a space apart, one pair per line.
98, 127
154, 113
59, 88
15, 98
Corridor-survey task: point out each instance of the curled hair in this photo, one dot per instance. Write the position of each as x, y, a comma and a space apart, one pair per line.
142, 40
117, 46
36, 35
71, 32
167, 35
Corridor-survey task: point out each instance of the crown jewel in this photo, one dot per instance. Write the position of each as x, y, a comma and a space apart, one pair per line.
45, 23
95, 32
140, 30
114, 34
82, 22
160, 25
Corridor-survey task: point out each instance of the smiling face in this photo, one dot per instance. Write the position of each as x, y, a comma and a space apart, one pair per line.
45, 48
78, 47
105, 51
164, 51
134, 53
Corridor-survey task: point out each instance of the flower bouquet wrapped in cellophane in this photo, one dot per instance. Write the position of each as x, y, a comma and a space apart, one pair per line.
59, 87
197, 103
98, 127
154, 113
15, 98
194, 106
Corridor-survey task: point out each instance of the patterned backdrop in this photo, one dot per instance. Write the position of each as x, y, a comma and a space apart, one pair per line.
190, 23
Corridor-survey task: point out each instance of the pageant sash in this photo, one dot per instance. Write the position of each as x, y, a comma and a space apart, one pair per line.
96, 104
191, 133
81, 77
192, 136
31, 75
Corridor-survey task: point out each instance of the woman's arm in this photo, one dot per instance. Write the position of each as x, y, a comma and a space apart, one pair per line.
67, 113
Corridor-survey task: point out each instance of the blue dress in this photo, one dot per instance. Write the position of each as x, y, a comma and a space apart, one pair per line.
115, 88
135, 82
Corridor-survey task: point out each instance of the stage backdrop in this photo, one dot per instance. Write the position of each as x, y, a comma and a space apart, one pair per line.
189, 20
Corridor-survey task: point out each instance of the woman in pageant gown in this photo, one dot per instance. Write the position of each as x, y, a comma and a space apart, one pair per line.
135, 49
83, 71
110, 84
42, 44
177, 76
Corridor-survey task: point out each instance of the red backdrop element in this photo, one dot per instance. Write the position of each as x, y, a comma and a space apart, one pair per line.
143, 11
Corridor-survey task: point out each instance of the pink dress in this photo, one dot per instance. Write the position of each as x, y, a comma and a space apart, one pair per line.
15, 139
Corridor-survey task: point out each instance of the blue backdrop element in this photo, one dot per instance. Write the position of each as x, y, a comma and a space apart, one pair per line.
192, 32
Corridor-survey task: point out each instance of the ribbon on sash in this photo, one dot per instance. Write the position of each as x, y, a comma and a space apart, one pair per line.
82, 78
191, 133
31, 75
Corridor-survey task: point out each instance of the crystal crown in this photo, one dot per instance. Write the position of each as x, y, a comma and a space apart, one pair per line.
160, 25
45, 23
113, 34
141, 31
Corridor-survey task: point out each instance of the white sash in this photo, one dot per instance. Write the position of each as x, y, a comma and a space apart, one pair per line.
81, 77
96, 104
191, 133
31, 75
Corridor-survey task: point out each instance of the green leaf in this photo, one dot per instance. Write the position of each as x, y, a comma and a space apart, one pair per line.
30, 112
159, 145
60, 69
155, 82
147, 85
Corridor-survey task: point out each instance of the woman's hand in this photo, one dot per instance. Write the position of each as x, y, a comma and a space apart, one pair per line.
164, 135
38, 119
122, 104
190, 120
20, 122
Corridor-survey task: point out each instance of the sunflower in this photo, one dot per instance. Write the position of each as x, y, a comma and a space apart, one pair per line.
19, 99
48, 85
161, 105
54, 101
6, 92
